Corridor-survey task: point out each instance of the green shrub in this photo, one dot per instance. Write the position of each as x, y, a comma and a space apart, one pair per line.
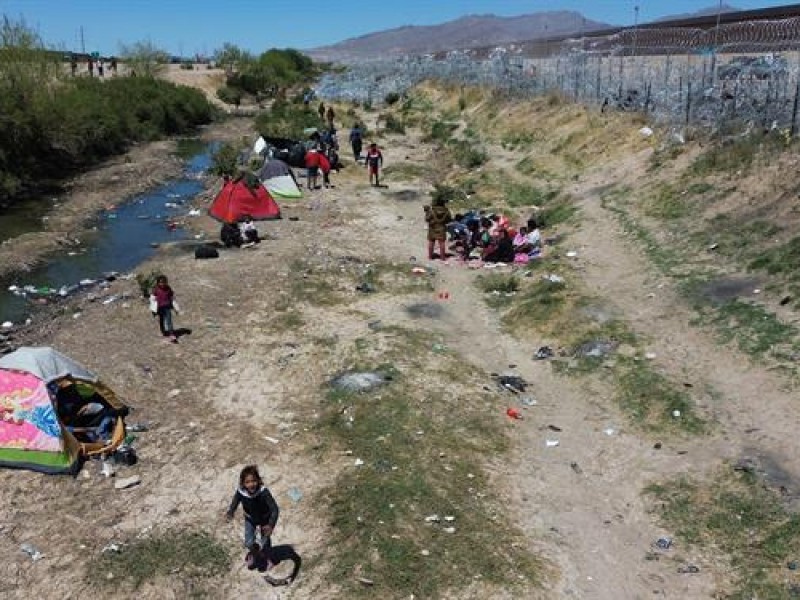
391, 98
466, 154
445, 194
392, 124
223, 161
230, 95
441, 131
287, 120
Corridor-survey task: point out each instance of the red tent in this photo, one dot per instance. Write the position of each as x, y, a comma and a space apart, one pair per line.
236, 199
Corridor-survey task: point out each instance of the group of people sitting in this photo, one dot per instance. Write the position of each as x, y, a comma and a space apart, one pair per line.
86, 415
241, 234
489, 237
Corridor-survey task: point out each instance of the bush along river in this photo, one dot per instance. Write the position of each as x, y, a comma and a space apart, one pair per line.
125, 235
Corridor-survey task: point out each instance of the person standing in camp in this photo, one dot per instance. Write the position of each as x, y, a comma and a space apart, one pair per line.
330, 115
374, 162
114, 66
90, 66
437, 217
164, 304
260, 509
312, 168
321, 111
73, 64
355, 141
100, 67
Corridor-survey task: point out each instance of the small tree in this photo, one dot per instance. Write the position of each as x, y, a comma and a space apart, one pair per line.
144, 58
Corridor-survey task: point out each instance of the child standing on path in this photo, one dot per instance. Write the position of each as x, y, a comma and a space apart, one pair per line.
437, 217
260, 509
374, 162
165, 303
355, 141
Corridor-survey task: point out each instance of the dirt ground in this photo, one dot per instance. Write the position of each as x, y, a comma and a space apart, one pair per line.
245, 387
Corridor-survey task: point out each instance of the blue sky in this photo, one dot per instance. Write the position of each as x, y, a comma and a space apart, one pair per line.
199, 26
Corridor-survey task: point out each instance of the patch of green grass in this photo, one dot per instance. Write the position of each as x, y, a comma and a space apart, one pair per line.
423, 450
649, 399
755, 330
699, 188
518, 139
499, 288
395, 278
664, 155
407, 171
783, 259
667, 203
440, 131
728, 157
529, 195
736, 516
391, 124
536, 305
184, 554
467, 154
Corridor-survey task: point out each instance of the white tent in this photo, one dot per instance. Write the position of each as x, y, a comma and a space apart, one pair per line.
47, 364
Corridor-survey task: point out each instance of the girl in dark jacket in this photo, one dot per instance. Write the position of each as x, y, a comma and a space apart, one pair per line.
260, 509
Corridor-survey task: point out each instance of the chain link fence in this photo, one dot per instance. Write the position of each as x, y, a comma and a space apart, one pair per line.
727, 79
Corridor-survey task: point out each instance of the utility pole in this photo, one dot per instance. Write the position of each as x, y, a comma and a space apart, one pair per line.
83, 42
714, 49
636, 28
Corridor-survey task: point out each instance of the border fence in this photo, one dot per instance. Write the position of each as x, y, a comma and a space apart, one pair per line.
725, 78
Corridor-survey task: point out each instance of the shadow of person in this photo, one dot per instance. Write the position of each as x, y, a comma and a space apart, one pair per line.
270, 558
182, 331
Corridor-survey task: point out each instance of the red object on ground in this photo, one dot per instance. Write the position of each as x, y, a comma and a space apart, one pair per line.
236, 199
513, 413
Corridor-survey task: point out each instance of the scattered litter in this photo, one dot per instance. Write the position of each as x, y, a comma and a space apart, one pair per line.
359, 462
553, 278
229, 304
359, 381
439, 348
194, 212
513, 383
513, 413
271, 440
551, 443
375, 325
713, 246
115, 548
107, 470
110, 299
129, 482
676, 413
664, 543
576, 467
572, 254
365, 288
609, 431
449, 529
419, 270
650, 355
689, 569
792, 565
7, 325
528, 401
543, 353
295, 495
646, 132
432, 519
449, 518
595, 349
757, 291
426, 553
785, 300
365, 581
32, 551
173, 393
554, 428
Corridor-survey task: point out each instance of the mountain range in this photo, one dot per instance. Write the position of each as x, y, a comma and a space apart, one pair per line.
469, 32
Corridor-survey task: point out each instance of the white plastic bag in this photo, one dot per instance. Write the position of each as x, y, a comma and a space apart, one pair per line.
153, 305
175, 307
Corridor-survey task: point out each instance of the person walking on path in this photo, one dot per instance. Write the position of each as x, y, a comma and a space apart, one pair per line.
330, 115
163, 299
437, 217
356, 141
90, 66
321, 111
374, 162
260, 509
